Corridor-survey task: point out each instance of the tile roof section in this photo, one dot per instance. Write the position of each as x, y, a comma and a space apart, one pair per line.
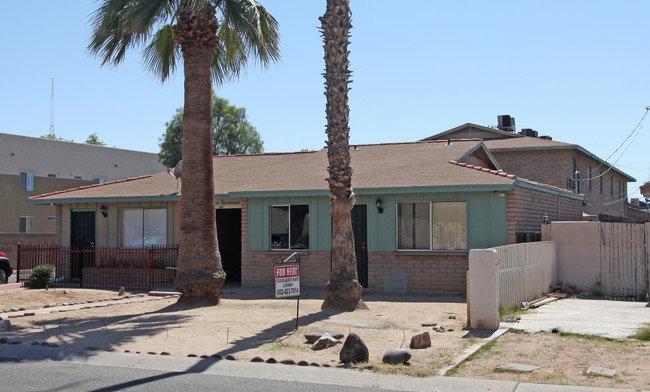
390, 165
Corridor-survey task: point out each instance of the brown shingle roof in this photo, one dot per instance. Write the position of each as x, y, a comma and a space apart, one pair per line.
526, 142
394, 165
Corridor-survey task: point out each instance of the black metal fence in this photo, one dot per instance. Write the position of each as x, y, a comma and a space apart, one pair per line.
102, 268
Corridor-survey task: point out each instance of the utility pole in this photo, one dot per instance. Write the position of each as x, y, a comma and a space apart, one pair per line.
52, 112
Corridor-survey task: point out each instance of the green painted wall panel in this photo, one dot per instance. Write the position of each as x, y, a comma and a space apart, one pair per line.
486, 218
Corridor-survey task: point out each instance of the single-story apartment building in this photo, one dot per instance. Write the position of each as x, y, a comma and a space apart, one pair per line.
420, 207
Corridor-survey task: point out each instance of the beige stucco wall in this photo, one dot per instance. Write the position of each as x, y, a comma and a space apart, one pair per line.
14, 202
578, 252
65, 161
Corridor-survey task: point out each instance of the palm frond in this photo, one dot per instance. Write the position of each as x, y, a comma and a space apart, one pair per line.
256, 30
120, 24
162, 52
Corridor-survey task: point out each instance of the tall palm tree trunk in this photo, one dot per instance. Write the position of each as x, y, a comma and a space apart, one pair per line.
343, 290
200, 273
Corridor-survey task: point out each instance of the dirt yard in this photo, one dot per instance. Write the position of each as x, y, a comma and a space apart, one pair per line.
250, 324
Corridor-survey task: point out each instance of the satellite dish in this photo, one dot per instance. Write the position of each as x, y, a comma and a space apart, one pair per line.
178, 170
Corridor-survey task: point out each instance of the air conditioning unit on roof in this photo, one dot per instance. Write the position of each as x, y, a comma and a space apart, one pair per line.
506, 123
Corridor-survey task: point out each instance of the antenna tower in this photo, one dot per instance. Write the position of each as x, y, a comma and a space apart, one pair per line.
52, 111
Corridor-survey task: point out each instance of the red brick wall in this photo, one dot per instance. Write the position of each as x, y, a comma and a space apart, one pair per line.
554, 167
525, 209
427, 272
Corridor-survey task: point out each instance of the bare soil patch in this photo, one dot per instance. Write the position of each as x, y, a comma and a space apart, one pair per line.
564, 359
250, 324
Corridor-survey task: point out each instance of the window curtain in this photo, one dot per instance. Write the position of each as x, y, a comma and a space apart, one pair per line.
450, 225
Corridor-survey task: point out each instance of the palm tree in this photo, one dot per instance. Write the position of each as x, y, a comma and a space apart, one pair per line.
214, 39
343, 290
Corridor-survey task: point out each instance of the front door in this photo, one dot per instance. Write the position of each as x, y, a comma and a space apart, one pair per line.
82, 237
360, 229
229, 238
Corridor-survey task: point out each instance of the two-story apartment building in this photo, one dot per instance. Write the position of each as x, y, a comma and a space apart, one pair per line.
563, 165
32, 166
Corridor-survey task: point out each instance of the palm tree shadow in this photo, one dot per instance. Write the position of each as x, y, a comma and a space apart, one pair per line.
279, 331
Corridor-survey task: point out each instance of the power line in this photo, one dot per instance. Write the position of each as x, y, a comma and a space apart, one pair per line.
635, 132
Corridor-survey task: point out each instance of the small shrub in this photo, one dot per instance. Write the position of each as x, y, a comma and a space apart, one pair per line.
643, 333
507, 311
41, 275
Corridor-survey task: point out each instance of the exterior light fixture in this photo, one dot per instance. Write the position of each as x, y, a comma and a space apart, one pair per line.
379, 203
104, 210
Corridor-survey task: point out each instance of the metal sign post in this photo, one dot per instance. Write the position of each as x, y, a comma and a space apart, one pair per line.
287, 281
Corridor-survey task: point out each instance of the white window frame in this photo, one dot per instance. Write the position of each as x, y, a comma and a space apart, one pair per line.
28, 184
431, 226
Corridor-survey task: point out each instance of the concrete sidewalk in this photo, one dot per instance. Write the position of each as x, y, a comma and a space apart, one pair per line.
278, 372
612, 319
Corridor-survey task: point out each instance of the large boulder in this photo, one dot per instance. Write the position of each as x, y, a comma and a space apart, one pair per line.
354, 350
396, 356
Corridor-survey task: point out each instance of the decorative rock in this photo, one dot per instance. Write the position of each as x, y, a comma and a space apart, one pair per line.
151, 353
27, 314
92, 348
21, 309
396, 356
422, 340
257, 359
217, 357
303, 363
288, 362
271, 360
342, 365
354, 350
369, 367
192, 355
326, 365
314, 364
35, 343
15, 342
164, 353
127, 351
5, 325
324, 342
452, 317
313, 336
230, 357
4, 340
204, 356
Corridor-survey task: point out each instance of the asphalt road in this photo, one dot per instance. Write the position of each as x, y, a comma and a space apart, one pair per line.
28, 368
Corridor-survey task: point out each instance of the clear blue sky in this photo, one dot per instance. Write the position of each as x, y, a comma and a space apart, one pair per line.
576, 70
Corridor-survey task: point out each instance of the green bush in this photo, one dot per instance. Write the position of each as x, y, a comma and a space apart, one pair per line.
40, 276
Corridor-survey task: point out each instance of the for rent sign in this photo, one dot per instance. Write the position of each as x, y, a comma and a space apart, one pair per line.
287, 281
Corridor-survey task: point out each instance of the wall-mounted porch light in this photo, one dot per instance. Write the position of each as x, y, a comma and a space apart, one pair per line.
380, 206
103, 210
